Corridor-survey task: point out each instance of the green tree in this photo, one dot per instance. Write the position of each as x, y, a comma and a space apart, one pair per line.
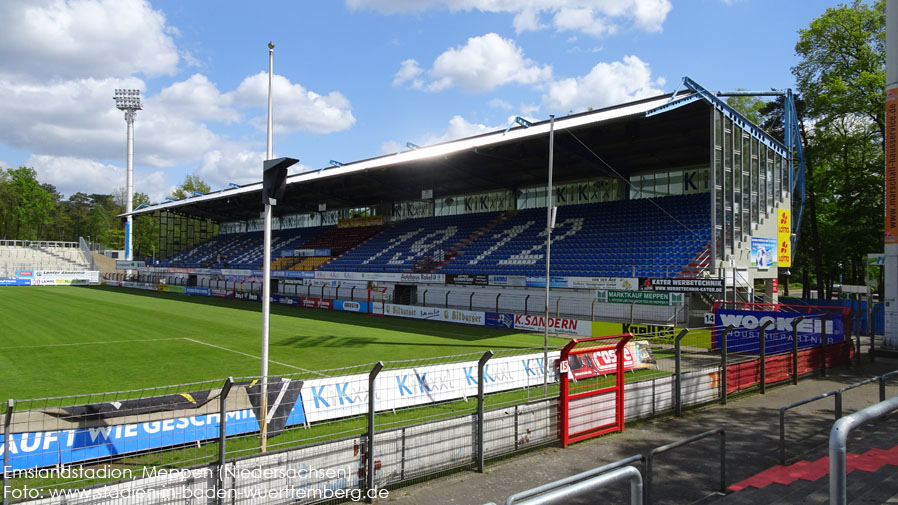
29, 204
748, 106
146, 233
77, 207
192, 182
841, 76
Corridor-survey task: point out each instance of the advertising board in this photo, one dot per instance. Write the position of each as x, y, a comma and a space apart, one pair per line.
681, 285
746, 334
560, 326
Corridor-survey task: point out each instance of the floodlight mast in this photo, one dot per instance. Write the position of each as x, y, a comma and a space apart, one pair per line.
128, 100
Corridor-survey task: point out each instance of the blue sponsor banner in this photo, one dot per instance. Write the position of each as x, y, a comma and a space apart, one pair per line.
746, 333
540, 282
289, 274
15, 282
257, 273
349, 306
40, 449
190, 290
499, 320
285, 300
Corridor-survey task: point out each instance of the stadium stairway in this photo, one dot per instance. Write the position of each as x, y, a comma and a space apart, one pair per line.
700, 263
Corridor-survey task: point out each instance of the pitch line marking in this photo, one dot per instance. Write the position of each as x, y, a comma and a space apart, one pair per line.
250, 355
91, 343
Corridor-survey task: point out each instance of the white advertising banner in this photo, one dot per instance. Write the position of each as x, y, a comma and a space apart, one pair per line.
435, 314
337, 397
613, 283
59, 277
558, 325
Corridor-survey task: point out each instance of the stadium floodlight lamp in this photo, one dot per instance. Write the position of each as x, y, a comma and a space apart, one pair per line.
234, 186
127, 100
413, 147
197, 193
336, 163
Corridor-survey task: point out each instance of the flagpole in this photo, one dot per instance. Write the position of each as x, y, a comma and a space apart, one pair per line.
266, 279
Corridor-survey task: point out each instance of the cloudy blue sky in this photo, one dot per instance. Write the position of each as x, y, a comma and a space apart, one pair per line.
354, 78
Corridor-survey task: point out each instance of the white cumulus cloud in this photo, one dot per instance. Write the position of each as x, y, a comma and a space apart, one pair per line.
409, 71
606, 84
593, 17
84, 38
460, 128
295, 107
231, 163
482, 64
71, 175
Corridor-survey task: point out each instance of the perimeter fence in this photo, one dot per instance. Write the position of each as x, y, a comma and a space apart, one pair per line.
328, 438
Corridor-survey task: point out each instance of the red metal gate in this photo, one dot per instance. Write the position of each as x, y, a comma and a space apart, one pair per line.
592, 386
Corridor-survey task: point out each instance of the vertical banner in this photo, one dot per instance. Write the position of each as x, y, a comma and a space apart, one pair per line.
891, 224
784, 237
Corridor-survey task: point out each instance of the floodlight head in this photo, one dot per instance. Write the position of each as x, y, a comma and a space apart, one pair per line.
127, 99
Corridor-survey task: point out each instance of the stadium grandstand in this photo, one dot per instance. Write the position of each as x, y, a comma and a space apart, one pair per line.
18, 257
675, 193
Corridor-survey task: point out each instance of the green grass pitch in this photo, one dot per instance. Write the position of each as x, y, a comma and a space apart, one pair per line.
57, 341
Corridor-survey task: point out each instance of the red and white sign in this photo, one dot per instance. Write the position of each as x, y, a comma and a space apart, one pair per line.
558, 325
601, 362
606, 360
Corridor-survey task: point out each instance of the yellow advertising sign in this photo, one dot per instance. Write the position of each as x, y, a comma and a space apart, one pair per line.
784, 238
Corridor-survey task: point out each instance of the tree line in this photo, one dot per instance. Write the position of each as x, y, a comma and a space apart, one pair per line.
31, 210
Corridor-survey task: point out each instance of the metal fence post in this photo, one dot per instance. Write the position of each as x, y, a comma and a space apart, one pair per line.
447, 299
763, 344
870, 329
823, 343
557, 308
678, 377
471, 301
222, 436
7, 424
497, 301
592, 311
481, 368
795, 324
369, 466
723, 364
526, 298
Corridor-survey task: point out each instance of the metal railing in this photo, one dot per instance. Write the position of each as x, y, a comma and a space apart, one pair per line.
567, 481
561, 490
838, 441
649, 465
565, 493
837, 405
